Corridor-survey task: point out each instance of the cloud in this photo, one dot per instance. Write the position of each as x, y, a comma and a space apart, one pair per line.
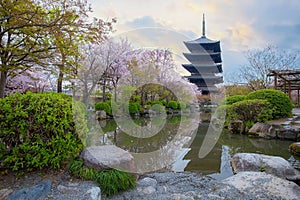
239, 25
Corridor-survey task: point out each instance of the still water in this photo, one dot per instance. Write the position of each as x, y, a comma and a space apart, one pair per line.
176, 144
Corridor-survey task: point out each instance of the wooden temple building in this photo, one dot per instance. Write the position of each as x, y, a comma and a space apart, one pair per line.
286, 81
205, 62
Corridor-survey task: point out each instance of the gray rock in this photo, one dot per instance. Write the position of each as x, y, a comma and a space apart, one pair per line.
295, 148
38, 191
147, 182
66, 189
100, 115
257, 183
4, 193
107, 156
147, 185
262, 130
94, 193
258, 162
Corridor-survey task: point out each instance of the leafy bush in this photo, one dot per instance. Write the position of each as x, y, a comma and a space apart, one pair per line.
181, 105
154, 103
173, 105
233, 99
251, 111
131, 107
38, 130
282, 105
103, 106
163, 102
110, 181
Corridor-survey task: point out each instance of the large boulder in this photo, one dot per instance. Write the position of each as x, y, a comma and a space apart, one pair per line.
106, 157
262, 130
295, 148
260, 183
270, 164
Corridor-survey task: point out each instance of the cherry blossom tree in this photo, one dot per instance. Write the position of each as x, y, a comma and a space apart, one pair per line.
101, 64
37, 81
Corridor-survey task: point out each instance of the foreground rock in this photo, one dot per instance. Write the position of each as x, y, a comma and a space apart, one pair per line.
270, 164
164, 186
189, 186
32, 193
258, 183
107, 156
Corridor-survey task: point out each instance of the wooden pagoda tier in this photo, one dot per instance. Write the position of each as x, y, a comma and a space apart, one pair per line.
201, 68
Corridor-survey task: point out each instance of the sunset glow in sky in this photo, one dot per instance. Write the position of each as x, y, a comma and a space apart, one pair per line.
239, 25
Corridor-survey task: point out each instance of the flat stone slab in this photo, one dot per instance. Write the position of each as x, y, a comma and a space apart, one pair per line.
106, 157
33, 193
258, 162
260, 182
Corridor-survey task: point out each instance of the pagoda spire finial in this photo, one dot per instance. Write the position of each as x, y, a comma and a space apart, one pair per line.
203, 26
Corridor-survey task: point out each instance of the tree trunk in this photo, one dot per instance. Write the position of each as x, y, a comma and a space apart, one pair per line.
59, 81
3, 79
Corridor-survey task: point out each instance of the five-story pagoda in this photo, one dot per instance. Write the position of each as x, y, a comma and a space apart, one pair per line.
206, 62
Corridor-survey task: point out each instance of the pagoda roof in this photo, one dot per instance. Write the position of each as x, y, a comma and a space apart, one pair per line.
202, 40
203, 58
200, 68
204, 76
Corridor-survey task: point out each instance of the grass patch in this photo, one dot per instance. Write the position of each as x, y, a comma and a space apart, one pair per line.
111, 181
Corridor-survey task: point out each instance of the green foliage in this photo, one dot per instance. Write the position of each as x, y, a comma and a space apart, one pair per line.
154, 103
262, 168
181, 105
173, 105
110, 181
233, 99
282, 105
233, 90
251, 111
163, 102
40, 130
131, 107
103, 106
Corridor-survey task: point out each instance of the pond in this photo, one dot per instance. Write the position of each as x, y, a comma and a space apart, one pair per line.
175, 143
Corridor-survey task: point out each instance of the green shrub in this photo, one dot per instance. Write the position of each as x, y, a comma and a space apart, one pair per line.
131, 107
163, 102
173, 105
282, 105
38, 130
181, 105
251, 111
154, 103
103, 106
110, 181
233, 99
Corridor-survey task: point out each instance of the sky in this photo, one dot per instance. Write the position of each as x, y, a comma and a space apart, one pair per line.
240, 25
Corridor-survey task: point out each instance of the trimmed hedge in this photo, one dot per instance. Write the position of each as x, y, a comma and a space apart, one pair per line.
40, 130
173, 105
282, 105
103, 106
131, 107
251, 111
233, 99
